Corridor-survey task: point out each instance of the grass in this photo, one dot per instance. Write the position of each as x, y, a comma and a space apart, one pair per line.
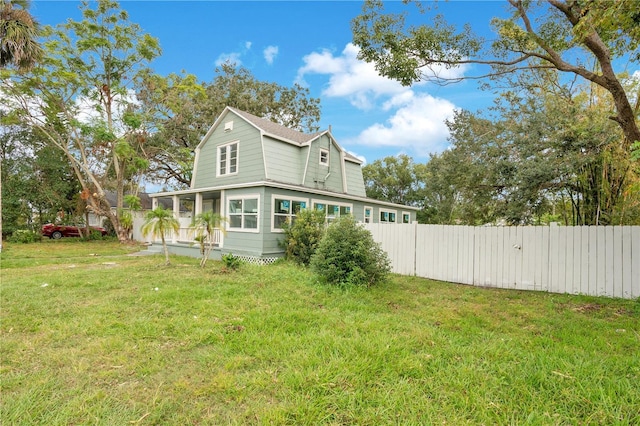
93, 336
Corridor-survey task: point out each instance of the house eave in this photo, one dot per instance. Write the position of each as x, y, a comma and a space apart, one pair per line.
288, 186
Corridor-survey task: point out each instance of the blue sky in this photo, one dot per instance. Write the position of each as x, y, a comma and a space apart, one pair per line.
308, 42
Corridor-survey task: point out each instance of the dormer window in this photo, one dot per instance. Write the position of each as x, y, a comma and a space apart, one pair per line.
324, 157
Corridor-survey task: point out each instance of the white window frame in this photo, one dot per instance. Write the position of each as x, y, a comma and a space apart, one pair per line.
333, 203
242, 214
402, 217
227, 148
364, 217
323, 151
389, 212
290, 214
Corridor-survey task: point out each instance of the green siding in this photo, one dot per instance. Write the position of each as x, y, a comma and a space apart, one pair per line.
245, 242
355, 181
283, 161
250, 161
320, 176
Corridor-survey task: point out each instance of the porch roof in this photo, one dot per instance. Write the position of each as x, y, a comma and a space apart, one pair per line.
280, 185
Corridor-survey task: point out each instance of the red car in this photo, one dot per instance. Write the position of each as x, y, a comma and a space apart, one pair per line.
58, 231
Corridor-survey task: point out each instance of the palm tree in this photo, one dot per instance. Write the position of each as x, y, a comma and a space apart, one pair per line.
18, 45
157, 222
205, 225
18, 35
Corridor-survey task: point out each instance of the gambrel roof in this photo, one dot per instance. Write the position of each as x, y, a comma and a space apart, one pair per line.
286, 134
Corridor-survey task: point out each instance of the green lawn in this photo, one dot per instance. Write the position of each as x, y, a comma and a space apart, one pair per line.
90, 335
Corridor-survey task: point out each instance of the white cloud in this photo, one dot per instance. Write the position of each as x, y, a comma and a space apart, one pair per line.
233, 58
349, 77
416, 127
270, 53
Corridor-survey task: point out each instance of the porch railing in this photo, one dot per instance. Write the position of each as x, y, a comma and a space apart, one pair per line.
186, 235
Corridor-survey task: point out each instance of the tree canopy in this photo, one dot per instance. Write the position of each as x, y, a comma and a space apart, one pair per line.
562, 35
79, 100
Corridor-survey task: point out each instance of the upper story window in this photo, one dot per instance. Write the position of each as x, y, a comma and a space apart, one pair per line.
324, 157
406, 217
228, 159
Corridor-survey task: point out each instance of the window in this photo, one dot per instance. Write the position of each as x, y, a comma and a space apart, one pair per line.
368, 213
387, 216
324, 157
285, 209
406, 217
243, 213
332, 210
228, 159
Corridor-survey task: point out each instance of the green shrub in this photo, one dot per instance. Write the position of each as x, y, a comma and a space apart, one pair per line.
24, 236
231, 262
348, 255
301, 238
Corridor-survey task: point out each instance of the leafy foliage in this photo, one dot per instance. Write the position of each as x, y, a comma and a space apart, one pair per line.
19, 32
186, 108
205, 225
559, 35
348, 256
24, 236
88, 70
157, 223
231, 262
303, 235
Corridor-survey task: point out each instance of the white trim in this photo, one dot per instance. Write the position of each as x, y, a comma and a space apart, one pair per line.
364, 214
402, 217
286, 186
315, 201
264, 156
228, 214
395, 213
226, 146
325, 151
306, 165
273, 204
344, 172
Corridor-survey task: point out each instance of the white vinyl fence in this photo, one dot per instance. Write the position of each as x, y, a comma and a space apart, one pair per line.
592, 260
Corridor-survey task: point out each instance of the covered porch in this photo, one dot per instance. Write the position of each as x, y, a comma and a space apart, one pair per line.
186, 205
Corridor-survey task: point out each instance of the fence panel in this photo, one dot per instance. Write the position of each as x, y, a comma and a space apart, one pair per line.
593, 260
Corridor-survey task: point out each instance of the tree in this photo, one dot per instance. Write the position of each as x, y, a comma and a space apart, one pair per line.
80, 101
552, 155
206, 224
157, 223
186, 109
564, 36
392, 179
18, 35
18, 46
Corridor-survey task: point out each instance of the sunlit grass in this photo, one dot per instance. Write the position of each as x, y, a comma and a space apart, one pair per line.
93, 336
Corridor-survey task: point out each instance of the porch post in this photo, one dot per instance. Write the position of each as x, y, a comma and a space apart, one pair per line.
176, 214
198, 207
154, 203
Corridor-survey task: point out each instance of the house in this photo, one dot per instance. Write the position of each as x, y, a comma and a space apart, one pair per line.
258, 174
